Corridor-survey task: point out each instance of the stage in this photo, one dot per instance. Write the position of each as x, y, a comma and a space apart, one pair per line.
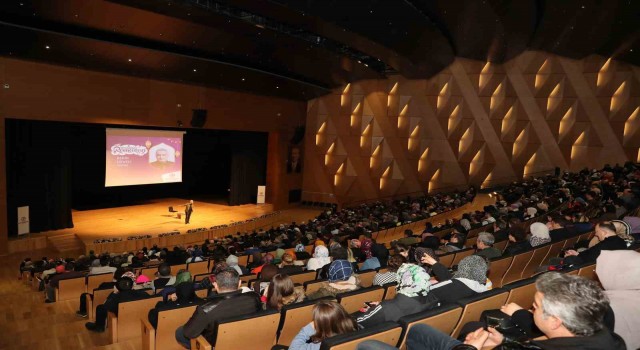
153, 217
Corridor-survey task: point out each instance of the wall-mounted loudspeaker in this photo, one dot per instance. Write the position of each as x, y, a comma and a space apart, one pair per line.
198, 118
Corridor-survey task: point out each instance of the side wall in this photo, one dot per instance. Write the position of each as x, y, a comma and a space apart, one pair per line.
47, 92
474, 123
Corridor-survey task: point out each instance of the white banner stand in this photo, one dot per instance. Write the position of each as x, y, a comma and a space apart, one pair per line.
23, 220
261, 193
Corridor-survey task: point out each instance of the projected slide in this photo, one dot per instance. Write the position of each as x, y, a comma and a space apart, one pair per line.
140, 157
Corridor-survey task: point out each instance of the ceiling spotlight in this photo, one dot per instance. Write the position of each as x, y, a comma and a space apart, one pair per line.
277, 87
130, 60
194, 70
47, 47
242, 79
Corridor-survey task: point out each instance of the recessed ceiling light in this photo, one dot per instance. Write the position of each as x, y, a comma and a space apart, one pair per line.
194, 70
129, 60
242, 79
47, 47
277, 87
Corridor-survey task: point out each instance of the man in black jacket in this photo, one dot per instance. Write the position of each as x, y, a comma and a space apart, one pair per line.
124, 292
568, 309
609, 240
229, 302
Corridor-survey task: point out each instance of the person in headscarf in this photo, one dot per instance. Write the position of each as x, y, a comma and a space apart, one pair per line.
319, 259
530, 213
288, 266
278, 257
182, 277
341, 280
619, 274
296, 262
232, 262
539, 234
471, 278
183, 295
412, 296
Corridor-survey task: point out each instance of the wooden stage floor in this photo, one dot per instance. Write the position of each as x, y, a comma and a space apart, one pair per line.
153, 218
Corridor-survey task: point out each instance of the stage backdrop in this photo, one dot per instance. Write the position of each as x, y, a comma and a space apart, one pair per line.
140, 156
54, 167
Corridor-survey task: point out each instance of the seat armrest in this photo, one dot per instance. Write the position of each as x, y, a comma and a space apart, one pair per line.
200, 343
148, 335
112, 324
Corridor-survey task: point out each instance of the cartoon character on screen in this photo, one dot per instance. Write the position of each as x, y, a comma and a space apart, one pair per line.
162, 156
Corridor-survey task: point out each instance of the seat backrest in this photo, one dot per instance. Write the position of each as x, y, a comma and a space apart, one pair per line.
93, 281
475, 305
461, 254
390, 290
293, 318
588, 272
522, 292
199, 267
517, 265
443, 318
536, 260
168, 322
501, 245
570, 242
176, 268
129, 315
353, 301
497, 269
243, 260
70, 289
387, 332
554, 251
302, 277
312, 286
150, 272
447, 259
99, 297
366, 278
470, 242
256, 332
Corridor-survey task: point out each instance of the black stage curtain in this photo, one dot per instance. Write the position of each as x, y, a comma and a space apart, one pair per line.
39, 166
248, 168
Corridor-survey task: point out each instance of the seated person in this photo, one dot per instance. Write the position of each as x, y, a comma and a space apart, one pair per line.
619, 273
539, 234
380, 279
123, 292
320, 258
182, 277
609, 240
485, 246
82, 312
329, 319
341, 280
412, 296
569, 310
282, 291
63, 272
288, 266
183, 296
471, 278
229, 302
164, 277
409, 238
518, 241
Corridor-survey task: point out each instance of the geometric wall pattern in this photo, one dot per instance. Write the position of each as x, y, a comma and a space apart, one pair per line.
474, 123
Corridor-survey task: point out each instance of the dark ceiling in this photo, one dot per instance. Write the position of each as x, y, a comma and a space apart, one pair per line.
299, 49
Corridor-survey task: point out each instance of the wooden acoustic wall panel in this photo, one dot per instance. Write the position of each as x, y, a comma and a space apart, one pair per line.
474, 123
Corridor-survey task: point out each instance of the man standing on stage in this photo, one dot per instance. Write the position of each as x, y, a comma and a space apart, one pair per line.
187, 211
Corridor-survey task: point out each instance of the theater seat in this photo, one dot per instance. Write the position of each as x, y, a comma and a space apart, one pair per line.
474, 305
521, 292
127, 324
293, 317
366, 277
386, 332
353, 301
256, 332
163, 337
443, 318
